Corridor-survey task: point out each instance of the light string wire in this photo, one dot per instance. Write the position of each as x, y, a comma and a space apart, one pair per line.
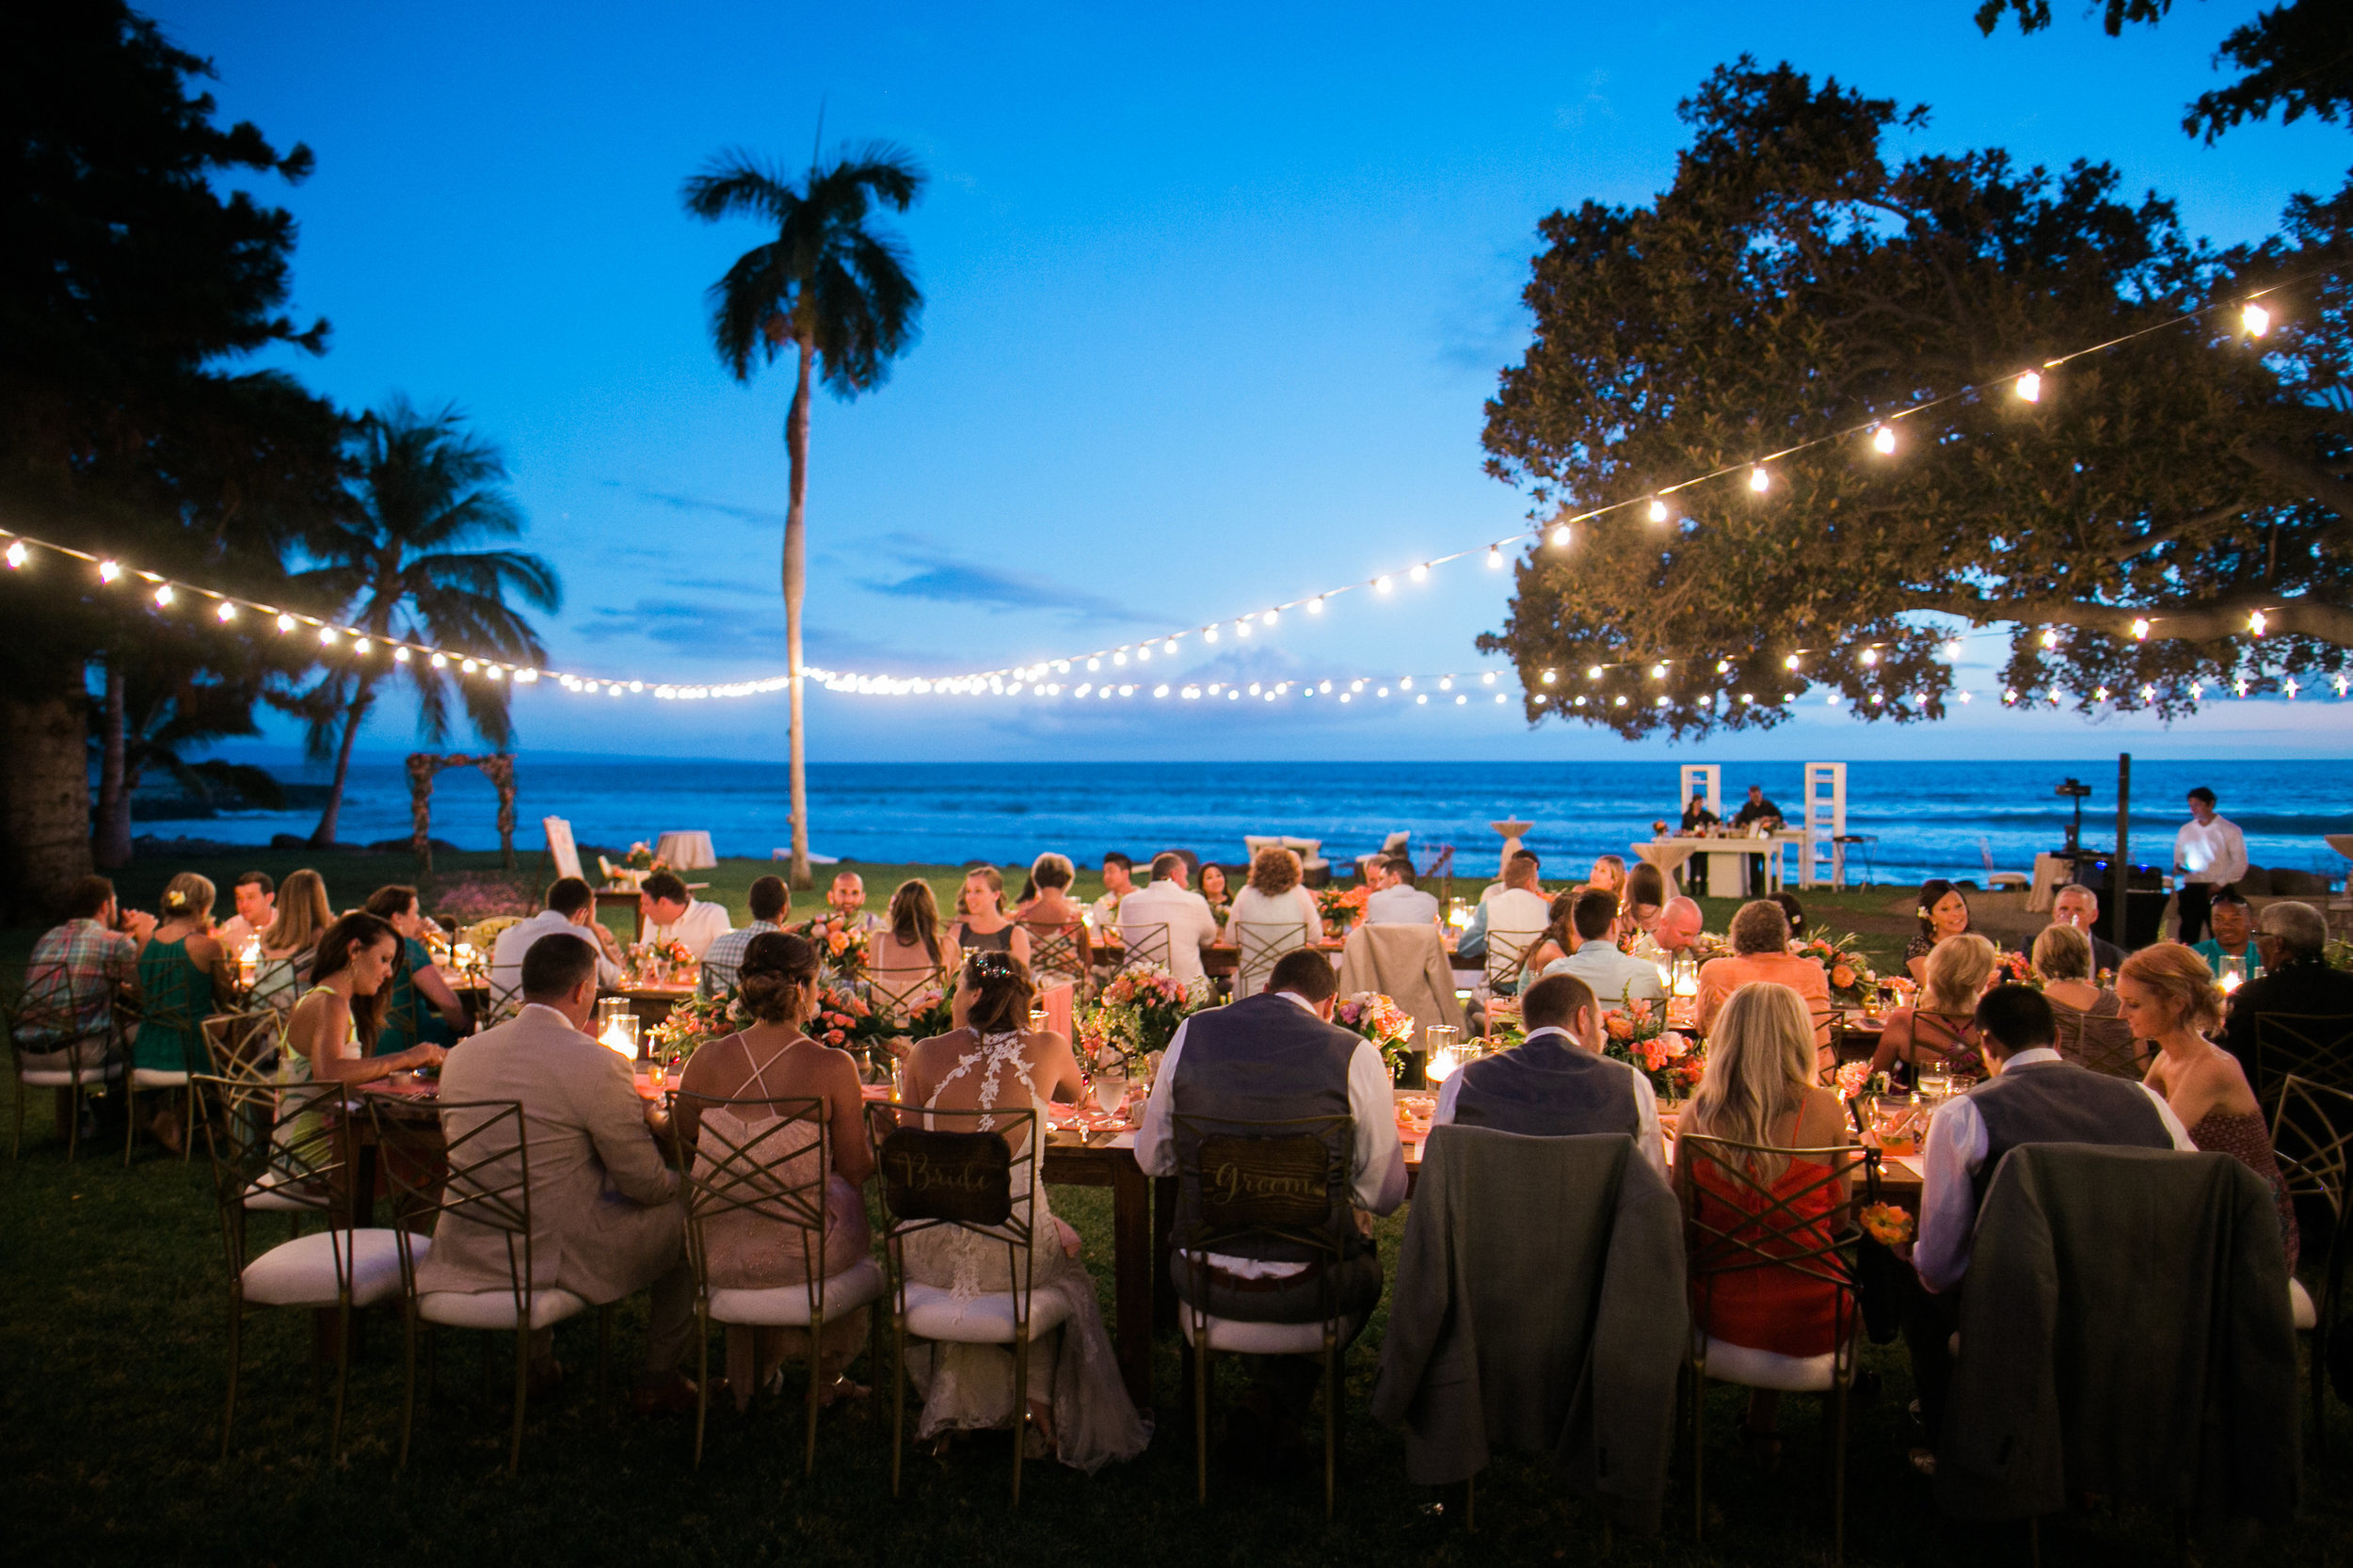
1011, 679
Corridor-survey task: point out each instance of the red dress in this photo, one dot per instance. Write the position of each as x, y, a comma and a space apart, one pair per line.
1764, 1306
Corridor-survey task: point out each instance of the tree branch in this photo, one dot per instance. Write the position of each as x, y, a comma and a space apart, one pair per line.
2206, 621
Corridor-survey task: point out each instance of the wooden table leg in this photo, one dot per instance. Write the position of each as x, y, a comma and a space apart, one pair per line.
1132, 1257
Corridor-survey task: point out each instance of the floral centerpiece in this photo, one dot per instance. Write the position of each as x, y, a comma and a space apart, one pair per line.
2011, 968
1380, 1019
1342, 908
693, 1023
1636, 1034
1852, 981
840, 946
1136, 1015
1856, 1079
641, 857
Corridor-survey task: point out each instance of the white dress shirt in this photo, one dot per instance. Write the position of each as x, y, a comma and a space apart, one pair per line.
1377, 1170
695, 930
1955, 1152
2212, 851
506, 954
1615, 977
1398, 904
1191, 926
1647, 1136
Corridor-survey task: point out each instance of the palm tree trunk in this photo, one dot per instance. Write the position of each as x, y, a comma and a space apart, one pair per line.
44, 789
323, 836
113, 790
796, 586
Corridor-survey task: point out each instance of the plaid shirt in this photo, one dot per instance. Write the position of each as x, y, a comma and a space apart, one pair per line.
723, 961
70, 984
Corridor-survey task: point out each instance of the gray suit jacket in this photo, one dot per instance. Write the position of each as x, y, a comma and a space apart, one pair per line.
606, 1220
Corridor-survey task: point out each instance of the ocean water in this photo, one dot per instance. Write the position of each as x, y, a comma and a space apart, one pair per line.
1928, 818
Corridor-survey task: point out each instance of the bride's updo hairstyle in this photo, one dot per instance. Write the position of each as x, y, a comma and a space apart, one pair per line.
776, 966
1001, 993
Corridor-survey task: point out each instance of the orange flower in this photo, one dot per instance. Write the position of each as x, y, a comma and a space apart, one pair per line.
837, 940
1619, 1027
1841, 977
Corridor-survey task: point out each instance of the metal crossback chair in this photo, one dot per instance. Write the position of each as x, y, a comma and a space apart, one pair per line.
472, 1168
163, 1077
1506, 952
1741, 1224
2315, 1047
1144, 943
1054, 951
2311, 1129
1282, 1181
503, 1000
292, 1145
60, 1007
755, 1177
899, 999
973, 1180
1261, 943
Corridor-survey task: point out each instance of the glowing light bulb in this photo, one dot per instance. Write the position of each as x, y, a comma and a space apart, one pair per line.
1724, 666
2028, 387
1560, 537
2010, 695
1759, 480
439, 662
1953, 649
361, 646
1270, 617
2255, 623
327, 637
2050, 637
1659, 671
1144, 655
1747, 697
163, 594
469, 666
1870, 656
2258, 320
108, 571
1382, 585
1884, 439
226, 611
1241, 629
1494, 557
2140, 629
1790, 663
400, 656
1168, 647
1658, 510
2148, 694
1120, 658
1315, 606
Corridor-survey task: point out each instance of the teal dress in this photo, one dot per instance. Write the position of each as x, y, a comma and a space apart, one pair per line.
409, 1019
175, 998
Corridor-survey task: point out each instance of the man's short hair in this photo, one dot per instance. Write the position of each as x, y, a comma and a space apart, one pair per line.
666, 887
1304, 972
2202, 792
2228, 893
770, 898
2303, 928
569, 895
1401, 868
1594, 912
1522, 865
87, 899
256, 879
2016, 1018
1554, 1002
1114, 858
2076, 889
556, 964
1166, 864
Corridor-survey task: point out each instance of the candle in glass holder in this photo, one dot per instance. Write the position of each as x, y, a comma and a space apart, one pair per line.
1442, 1051
620, 1036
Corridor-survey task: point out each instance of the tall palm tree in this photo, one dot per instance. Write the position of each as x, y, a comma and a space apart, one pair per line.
397, 570
836, 294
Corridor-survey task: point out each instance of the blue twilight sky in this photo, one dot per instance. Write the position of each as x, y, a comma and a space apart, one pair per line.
1215, 296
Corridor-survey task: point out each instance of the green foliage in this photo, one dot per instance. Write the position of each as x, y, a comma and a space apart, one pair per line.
1794, 284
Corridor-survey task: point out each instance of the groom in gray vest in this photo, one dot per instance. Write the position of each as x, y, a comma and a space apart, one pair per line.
1276, 1057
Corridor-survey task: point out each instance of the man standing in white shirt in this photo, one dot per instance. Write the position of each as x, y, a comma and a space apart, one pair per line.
1397, 901
672, 914
1183, 921
571, 906
2208, 853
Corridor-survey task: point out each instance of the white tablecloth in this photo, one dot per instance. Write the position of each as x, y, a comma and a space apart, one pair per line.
685, 852
2051, 873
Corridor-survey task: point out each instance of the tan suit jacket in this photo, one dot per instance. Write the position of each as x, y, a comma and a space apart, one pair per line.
606, 1220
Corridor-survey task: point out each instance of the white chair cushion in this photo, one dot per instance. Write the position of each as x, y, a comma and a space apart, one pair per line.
62, 1078
301, 1273
1242, 1337
2300, 1305
1755, 1369
495, 1308
157, 1077
787, 1305
934, 1313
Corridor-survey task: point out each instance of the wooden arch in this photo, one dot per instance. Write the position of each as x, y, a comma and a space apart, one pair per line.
499, 768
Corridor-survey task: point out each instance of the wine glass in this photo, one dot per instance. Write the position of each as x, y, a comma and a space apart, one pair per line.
1111, 1087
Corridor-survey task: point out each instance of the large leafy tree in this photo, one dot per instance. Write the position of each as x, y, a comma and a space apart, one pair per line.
836, 294
1793, 286
403, 565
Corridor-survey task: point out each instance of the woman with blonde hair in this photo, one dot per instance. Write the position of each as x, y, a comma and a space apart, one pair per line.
292, 939
2170, 997
2091, 1028
1278, 912
1759, 1089
1939, 1033
184, 977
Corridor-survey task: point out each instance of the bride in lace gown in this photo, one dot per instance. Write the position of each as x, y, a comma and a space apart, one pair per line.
1077, 1399
745, 1250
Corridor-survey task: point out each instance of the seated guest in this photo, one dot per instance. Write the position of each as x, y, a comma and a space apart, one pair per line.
910, 962
1277, 1056
982, 924
1077, 1399
1676, 930
1274, 896
1617, 978
1512, 851
1760, 1090
1940, 1034
2079, 906
1639, 905
846, 899
671, 914
570, 911
2091, 1028
76, 974
605, 1221
2034, 1096
1557, 1085
331, 1034
1214, 893
1794, 912
184, 977
1118, 881
2297, 979
1556, 941
1053, 912
2233, 921
1516, 912
1609, 874
1760, 952
770, 901
256, 896
2170, 1000
1165, 903
774, 974
1397, 901
416, 981
299, 915
1942, 912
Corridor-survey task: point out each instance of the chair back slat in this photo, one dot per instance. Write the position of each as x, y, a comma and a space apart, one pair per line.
1261, 944
2311, 1129
264, 1142
1764, 1227
2315, 1046
1145, 942
897, 1000
963, 1178
725, 1175
1283, 1182
1506, 952
471, 1162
